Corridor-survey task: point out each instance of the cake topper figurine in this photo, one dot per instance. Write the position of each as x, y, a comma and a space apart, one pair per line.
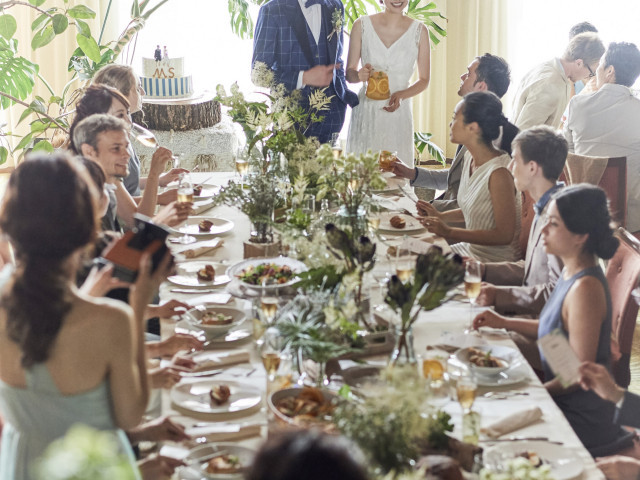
166, 54
157, 54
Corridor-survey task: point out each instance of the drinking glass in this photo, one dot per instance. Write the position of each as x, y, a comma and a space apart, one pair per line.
405, 262
269, 307
242, 166
270, 351
336, 145
148, 139
472, 283
185, 194
466, 388
433, 366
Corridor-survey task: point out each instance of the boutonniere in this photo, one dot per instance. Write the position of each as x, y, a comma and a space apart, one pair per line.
336, 21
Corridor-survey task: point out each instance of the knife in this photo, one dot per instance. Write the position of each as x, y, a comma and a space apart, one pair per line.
522, 439
201, 373
192, 290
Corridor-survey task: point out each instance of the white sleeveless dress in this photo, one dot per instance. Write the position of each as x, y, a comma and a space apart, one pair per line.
474, 200
371, 127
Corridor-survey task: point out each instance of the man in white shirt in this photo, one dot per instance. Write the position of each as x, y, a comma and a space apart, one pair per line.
606, 123
301, 41
544, 92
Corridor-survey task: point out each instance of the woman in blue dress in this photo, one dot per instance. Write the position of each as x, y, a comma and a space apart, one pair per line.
65, 357
578, 231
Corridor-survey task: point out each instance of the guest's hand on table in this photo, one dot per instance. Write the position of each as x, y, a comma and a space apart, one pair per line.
168, 196
596, 377
426, 209
171, 175
436, 225
156, 467
365, 72
181, 360
167, 309
394, 101
401, 170
618, 467
487, 296
488, 318
177, 343
164, 377
101, 280
174, 213
158, 430
159, 160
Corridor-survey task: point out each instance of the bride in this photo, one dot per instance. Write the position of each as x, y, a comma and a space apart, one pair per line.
392, 43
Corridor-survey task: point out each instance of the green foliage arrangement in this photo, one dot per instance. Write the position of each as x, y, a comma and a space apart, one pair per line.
19, 75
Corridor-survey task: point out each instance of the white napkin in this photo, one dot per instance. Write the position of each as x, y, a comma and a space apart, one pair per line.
201, 206
217, 298
512, 422
200, 248
219, 359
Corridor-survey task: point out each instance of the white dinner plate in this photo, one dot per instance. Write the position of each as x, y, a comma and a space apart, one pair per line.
235, 335
194, 317
220, 225
186, 275
195, 397
198, 470
296, 266
412, 224
515, 374
509, 355
564, 463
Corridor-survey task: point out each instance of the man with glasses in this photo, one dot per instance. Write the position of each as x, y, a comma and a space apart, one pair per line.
605, 123
545, 91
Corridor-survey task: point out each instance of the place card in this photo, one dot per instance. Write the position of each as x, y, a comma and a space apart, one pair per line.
560, 356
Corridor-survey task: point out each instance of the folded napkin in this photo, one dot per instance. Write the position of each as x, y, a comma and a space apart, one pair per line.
200, 248
206, 360
512, 422
217, 298
224, 432
201, 206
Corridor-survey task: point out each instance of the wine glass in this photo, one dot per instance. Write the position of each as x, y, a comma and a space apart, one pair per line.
270, 351
185, 194
269, 307
405, 262
472, 283
148, 139
336, 145
242, 166
466, 388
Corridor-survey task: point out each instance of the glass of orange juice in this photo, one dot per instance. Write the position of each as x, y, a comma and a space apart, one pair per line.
433, 366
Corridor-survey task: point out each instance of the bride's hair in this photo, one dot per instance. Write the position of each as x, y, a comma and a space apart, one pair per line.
484, 108
48, 214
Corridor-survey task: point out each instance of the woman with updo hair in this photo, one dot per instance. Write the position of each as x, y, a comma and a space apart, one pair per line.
489, 206
65, 357
578, 231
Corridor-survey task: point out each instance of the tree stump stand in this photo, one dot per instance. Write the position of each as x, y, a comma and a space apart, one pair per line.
179, 115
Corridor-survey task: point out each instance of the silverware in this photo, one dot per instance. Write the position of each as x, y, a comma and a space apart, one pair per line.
192, 290
503, 395
204, 181
203, 373
522, 439
195, 461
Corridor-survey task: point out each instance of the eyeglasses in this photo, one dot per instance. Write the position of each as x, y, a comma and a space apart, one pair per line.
591, 73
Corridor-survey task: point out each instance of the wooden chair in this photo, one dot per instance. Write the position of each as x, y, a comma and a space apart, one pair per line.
609, 173
622, 274
526, 220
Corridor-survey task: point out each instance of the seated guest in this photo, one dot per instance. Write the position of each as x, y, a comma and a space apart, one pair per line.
101, 99
489, 203
65, 357
125, 80
485, 73
104, 140
309, 455
578, 231
605, 123
544, 92
524, 286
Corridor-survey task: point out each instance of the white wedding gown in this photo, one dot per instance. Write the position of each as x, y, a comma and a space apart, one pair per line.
373, 128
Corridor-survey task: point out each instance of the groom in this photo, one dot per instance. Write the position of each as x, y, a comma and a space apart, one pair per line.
301, 42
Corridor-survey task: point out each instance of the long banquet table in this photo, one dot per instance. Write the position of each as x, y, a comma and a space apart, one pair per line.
437, 326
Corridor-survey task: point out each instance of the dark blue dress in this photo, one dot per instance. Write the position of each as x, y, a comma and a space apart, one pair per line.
591, 417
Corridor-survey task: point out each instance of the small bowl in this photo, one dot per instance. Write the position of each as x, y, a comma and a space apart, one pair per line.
505, 355
194, 317
244, 454
276, 397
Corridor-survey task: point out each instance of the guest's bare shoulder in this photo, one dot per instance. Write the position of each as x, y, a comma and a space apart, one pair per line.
101, 309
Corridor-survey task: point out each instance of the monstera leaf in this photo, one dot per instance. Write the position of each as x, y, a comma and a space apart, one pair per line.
17, 74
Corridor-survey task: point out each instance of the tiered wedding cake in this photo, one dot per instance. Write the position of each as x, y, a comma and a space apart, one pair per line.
165, 78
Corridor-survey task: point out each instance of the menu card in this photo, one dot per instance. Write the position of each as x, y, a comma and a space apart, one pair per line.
560, 356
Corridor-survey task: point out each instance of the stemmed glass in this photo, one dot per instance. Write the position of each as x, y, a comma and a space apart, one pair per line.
472, 283
466, 389
336, 145
148, 139
405, 262
185, 194
270, 352
269, 307
242, 166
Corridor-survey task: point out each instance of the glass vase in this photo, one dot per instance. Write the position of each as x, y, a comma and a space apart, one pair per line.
403, 350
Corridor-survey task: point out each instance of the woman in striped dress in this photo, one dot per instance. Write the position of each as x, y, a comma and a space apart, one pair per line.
489, 204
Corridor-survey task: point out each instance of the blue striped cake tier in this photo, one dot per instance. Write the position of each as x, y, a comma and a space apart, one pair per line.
177, 87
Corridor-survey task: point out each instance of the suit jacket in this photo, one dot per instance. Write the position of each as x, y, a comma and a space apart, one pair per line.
525, 286
281, 41
542, 96
629, 414
605, 124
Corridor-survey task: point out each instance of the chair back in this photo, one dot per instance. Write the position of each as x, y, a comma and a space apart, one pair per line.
610, 174
526, 220
622, 275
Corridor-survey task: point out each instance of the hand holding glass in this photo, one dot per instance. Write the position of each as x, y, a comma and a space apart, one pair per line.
185, 195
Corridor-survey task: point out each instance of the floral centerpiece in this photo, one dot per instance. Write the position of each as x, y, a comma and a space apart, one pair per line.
434, 275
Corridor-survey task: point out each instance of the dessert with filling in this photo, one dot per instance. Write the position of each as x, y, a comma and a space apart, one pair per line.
220, 394
205, 226
397, 222
207, 273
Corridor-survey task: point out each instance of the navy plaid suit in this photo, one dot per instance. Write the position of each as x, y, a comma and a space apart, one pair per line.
284, 43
